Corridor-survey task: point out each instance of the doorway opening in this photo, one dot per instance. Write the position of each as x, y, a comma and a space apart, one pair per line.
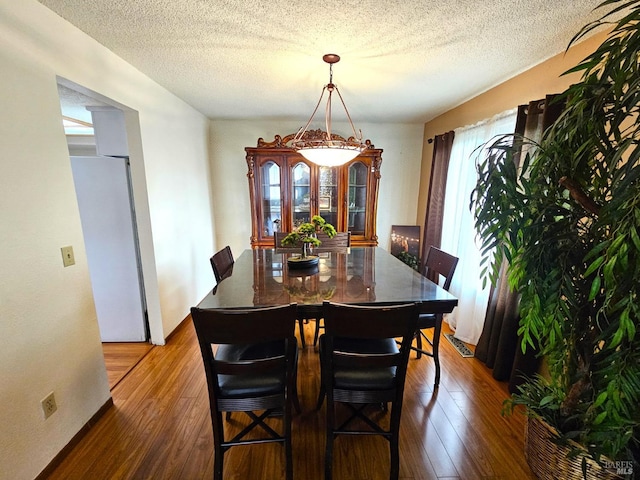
98, 147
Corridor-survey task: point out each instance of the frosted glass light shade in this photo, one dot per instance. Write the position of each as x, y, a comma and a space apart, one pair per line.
330, 156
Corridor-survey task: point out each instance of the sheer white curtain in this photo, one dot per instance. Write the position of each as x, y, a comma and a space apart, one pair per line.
458, 232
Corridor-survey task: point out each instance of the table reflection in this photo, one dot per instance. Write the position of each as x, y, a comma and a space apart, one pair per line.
345, 276
261, 277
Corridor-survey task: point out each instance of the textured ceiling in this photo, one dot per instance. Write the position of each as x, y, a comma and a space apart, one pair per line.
402, 60
74, 104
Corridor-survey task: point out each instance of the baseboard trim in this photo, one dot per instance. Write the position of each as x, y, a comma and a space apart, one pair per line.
180, 325
57, 460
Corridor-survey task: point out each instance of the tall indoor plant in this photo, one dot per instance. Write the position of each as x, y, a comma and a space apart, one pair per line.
568, 223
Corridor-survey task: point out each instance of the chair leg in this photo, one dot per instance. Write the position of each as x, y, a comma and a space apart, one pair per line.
394, 439
316, 334
436, 344
394, 472
288, 451
419, 344
323, 391
301, 328
321, 396
394, 453
294, 386
218, 450
328, 455
217, 466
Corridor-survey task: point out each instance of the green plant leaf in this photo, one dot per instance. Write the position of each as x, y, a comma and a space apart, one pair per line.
635, 238
600, 418
600, 400
595, 265
546, 400
595, 288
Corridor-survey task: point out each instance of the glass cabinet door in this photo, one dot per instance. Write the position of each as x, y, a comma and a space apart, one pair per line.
271, 195
328, 195
357, 201
300, 194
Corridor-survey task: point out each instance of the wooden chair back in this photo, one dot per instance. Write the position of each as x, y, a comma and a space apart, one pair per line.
440, 263
340, 241
222, 263
369, 322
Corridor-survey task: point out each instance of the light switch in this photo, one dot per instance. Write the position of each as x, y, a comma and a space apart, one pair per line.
67, 256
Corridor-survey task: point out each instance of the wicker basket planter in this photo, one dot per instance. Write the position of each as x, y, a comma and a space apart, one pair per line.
549, 461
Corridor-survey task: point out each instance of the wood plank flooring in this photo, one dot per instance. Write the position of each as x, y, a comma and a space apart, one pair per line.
159, 427
120, 358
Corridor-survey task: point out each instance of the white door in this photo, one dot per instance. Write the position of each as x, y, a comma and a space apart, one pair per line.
104, 200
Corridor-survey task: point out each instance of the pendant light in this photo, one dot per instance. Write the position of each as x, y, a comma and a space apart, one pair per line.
323, 148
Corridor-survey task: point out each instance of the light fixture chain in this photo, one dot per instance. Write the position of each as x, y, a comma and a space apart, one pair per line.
328, 115
353, 128
304, 129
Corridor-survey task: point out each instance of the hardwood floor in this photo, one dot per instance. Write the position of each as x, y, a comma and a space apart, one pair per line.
120, 358
159, 427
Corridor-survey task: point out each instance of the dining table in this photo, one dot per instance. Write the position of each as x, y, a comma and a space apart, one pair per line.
355, 275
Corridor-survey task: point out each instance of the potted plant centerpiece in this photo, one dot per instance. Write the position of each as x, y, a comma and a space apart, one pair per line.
305, 235
568, 224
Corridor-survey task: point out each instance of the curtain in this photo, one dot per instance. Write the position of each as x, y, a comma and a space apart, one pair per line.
437, 185
458, 230
499, 344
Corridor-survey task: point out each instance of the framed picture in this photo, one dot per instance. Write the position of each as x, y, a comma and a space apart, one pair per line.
324, 203
405, 238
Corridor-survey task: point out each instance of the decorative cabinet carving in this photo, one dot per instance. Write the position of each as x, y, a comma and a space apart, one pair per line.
286, 190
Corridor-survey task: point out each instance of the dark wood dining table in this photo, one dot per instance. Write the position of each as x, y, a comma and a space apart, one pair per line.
356, 275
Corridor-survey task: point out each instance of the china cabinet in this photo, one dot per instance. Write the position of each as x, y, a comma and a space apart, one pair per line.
286, 190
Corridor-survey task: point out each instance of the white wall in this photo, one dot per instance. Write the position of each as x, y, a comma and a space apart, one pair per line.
399, 183
48, 328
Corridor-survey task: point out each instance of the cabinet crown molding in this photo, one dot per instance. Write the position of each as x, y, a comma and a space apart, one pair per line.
283, 142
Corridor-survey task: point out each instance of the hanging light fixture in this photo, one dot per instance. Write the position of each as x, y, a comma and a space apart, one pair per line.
323, 148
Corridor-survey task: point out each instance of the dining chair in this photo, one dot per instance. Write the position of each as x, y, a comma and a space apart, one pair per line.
251, 370
363, 367
340, 242
438, 264
222, 263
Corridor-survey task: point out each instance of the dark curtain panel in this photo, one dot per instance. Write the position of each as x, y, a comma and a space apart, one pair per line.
499, 343
437, 186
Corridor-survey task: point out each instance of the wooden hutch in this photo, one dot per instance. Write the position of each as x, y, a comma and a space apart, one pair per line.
286, 190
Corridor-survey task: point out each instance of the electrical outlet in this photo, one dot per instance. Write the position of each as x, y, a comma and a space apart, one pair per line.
49, 406
67, 256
